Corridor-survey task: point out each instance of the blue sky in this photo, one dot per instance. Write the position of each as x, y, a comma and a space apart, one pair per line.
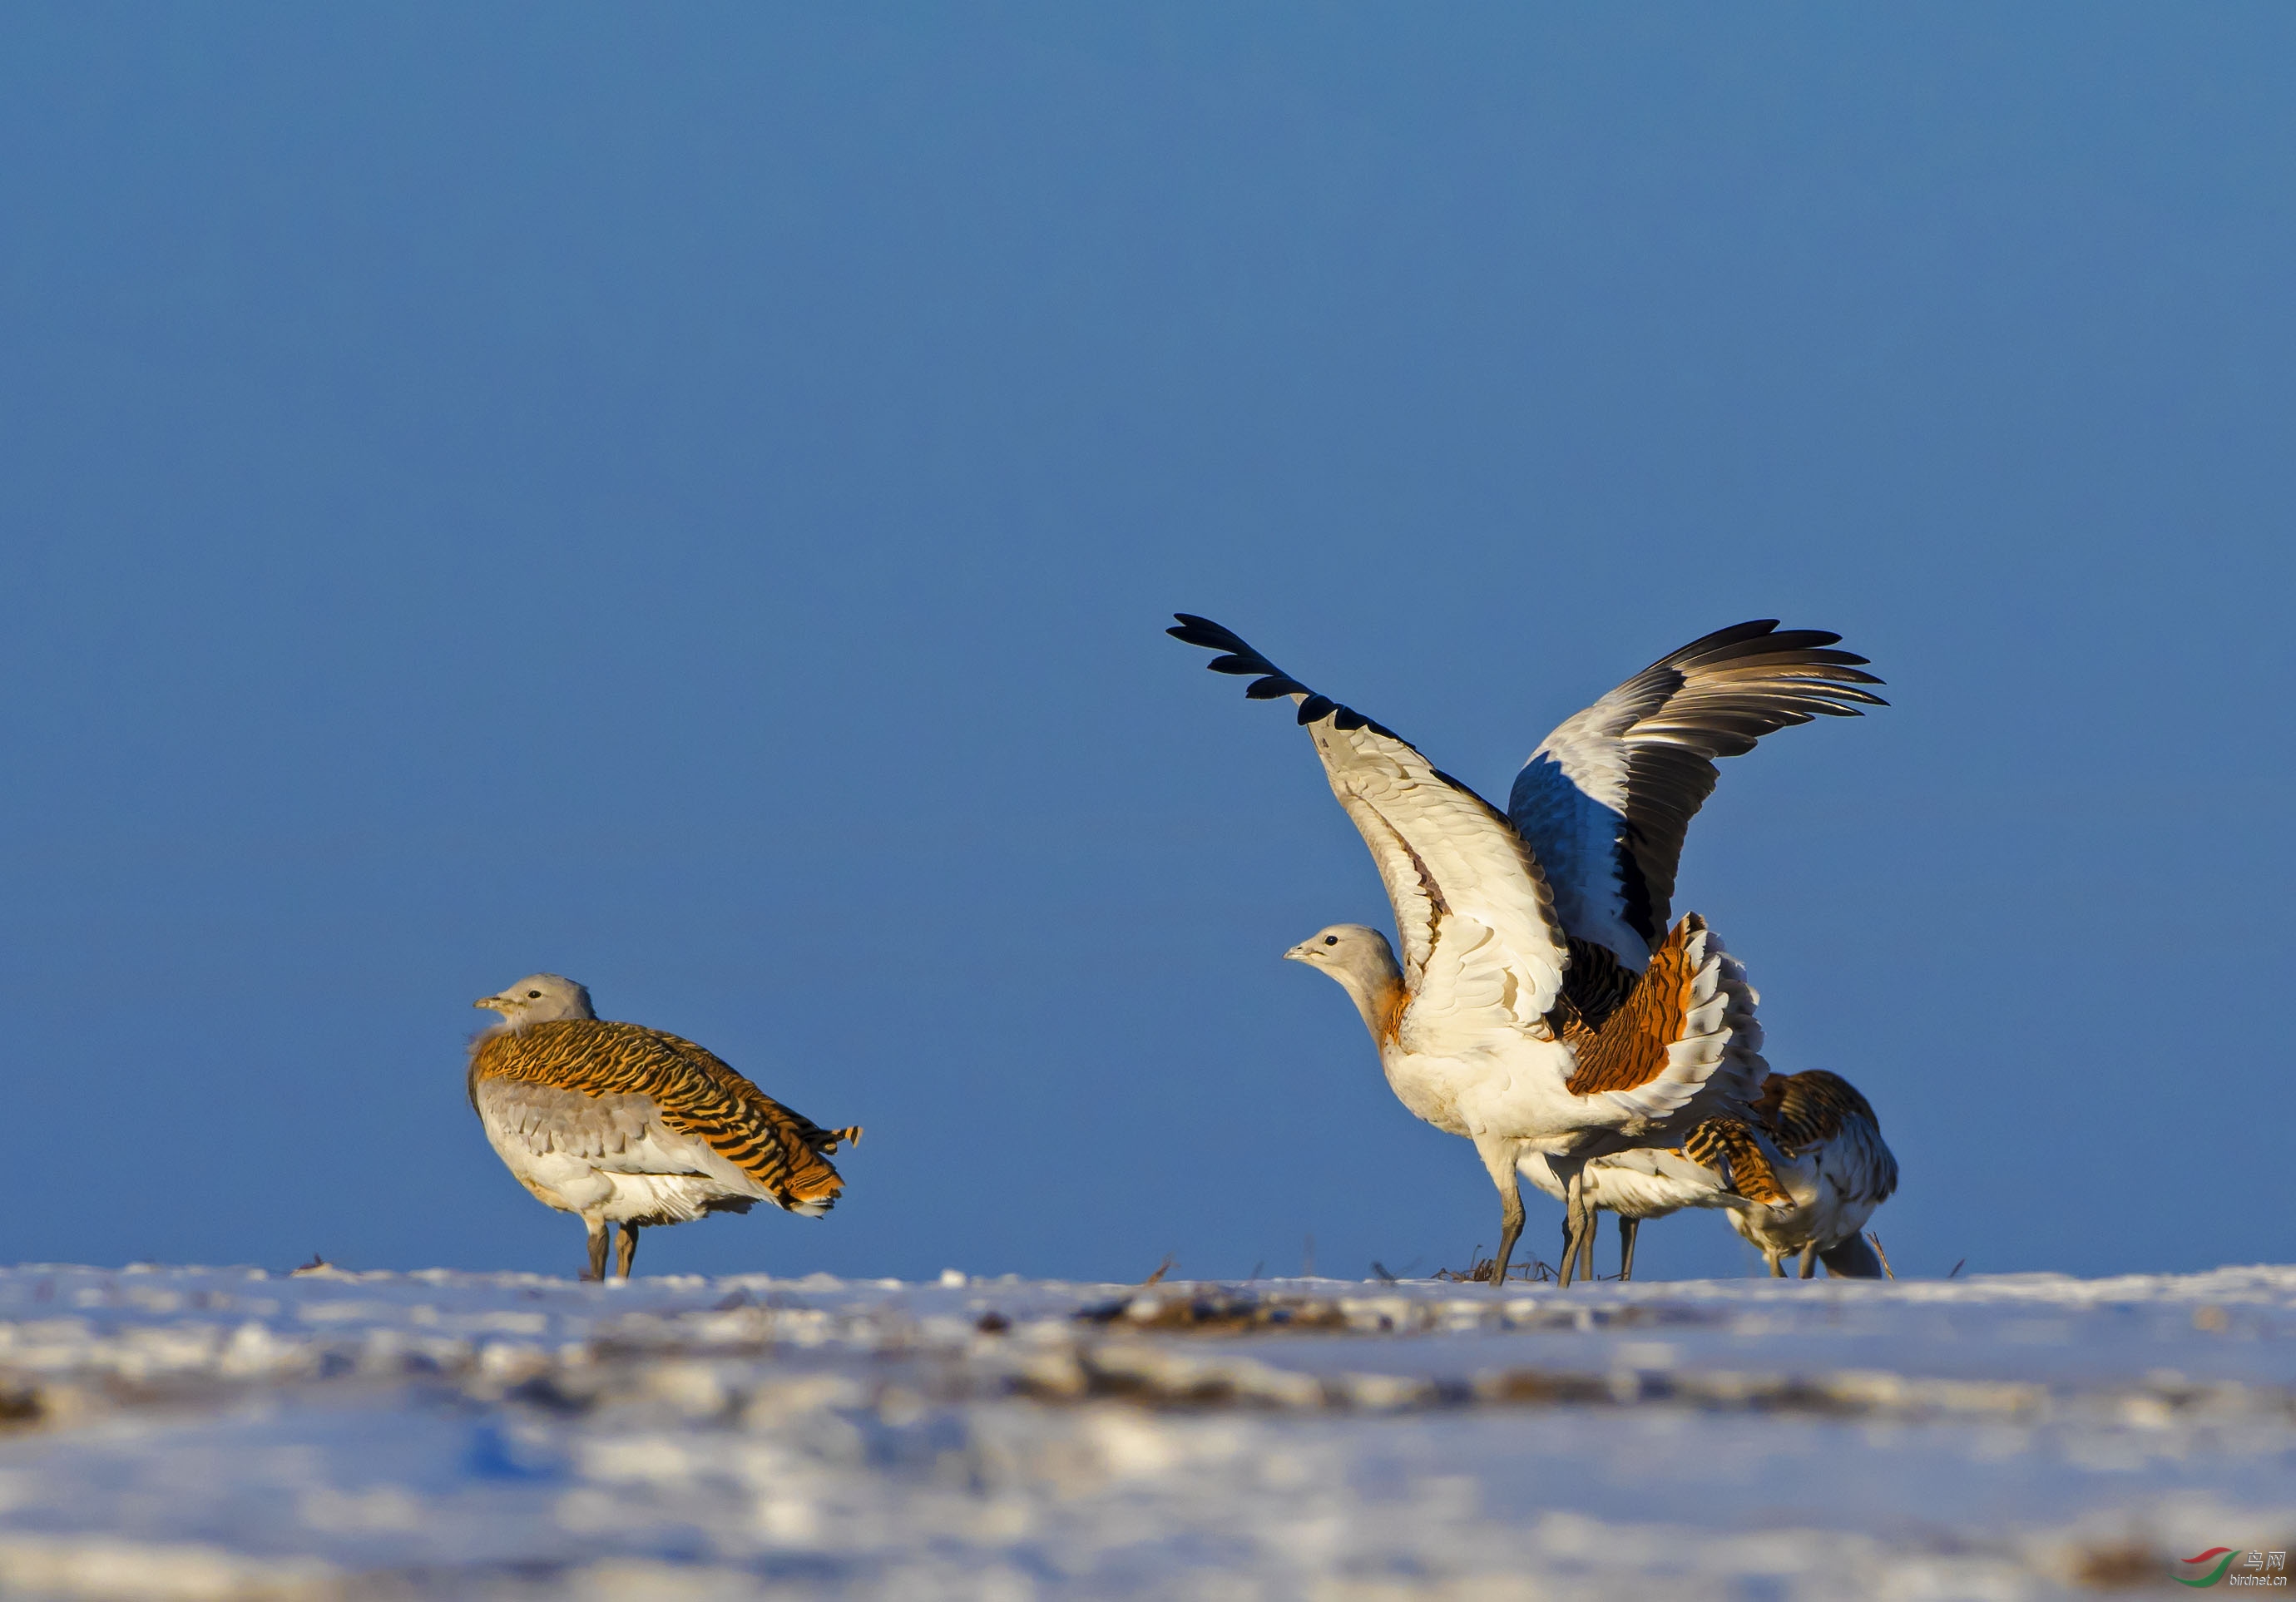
689, 499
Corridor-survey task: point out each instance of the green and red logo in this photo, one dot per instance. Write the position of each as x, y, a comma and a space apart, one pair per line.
2228, 1564
2210, 1566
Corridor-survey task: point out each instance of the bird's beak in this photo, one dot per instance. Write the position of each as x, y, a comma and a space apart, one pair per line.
495, 1002
1300, 952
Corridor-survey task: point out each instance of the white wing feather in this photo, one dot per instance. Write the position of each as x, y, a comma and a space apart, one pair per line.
1482, 954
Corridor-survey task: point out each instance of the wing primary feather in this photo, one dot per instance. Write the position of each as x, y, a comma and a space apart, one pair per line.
1238, 657
1441, 849
1607, 797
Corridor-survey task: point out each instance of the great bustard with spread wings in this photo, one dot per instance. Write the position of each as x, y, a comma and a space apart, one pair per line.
627, 1125
1604, 802
1544, 1005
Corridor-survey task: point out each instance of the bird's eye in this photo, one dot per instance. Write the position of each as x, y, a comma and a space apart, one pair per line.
533, 996
1330, 940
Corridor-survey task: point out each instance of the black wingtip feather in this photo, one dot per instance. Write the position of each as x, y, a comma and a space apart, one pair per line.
1239, 657
1760, 639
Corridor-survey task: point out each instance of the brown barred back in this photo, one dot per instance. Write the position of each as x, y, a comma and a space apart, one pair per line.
696, 1093
1628, 1046
1808, 1108
1728, 1146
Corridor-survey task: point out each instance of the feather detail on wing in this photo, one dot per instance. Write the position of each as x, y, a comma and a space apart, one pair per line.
1606, 798
1731, 1149
1481, 949
582, 1073
1684, 1029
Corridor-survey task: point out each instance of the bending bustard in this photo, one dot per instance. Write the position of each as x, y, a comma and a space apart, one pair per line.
1818, 1139
1799, 1175
627, 1125
1549, 1008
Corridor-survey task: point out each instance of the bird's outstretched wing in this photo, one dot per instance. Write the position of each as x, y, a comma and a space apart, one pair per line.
1481, 948
1605, 799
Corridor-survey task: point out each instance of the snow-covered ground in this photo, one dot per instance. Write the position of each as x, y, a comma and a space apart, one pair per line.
226, 1433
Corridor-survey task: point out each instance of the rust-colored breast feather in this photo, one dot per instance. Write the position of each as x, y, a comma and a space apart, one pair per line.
695, 1093
1628, 1047
1728, 1146
1809, 1108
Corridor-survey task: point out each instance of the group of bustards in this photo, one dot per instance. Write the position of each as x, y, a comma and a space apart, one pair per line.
1547, 1005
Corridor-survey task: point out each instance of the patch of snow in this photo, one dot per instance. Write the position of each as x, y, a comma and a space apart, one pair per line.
195, 1433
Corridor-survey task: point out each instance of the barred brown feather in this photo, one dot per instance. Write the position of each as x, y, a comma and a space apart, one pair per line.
1728, 1146
1807, 1108
1626, 1046
694, 1092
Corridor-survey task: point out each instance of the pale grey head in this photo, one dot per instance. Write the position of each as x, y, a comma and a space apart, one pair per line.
539, 999
1363, 964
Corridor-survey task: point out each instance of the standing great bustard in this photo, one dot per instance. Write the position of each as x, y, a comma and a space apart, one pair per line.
626, 1124
1544, 1009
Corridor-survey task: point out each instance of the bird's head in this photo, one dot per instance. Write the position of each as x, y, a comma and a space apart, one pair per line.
539, 999
1362, 963
1343, 947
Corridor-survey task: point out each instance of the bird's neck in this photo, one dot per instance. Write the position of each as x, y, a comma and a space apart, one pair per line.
1376, 988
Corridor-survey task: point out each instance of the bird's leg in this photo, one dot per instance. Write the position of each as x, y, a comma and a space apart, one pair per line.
597, 1268
1498, 1162
1626, 1228
1579, 1222
1772, 1255
1809, 1259
1510, 1227
628, 1253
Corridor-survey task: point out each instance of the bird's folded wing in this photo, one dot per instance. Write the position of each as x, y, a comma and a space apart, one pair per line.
790, 1130
1811, 1107
1816, 1108
1606, 798
689, 1090
1861, 1164
1481, 949
616, 1133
